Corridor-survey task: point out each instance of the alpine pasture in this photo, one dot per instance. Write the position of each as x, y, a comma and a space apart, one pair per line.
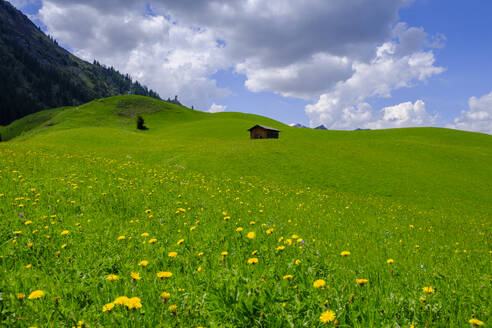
192, 224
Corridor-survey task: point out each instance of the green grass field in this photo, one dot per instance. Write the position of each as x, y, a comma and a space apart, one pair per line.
199, 226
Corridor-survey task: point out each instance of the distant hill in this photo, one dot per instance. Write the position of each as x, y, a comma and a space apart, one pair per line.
36, 73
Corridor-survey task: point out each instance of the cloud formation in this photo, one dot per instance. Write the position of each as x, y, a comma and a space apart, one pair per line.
293, 48
214, 108
478, 117
399, 63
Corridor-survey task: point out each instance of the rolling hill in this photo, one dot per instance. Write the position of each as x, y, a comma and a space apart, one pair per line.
197, 225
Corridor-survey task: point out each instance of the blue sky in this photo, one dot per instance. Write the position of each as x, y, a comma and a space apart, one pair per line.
371, 64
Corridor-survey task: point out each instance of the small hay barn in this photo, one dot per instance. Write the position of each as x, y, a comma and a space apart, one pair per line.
263, 132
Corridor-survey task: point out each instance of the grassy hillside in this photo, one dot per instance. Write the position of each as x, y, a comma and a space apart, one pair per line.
195, 183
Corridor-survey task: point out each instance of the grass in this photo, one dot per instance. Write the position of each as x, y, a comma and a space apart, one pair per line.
420, 197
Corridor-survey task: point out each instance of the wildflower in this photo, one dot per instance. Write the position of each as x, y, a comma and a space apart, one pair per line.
200, 254
112, 277
172, 254
30, 245
251, 235
199, 269
269, 231
298, 262
280, 248
148, 211
345, 253
252, 222
152, 240
390, 261
254, 252
227, 218
320, 283
164, 274
135, 276
327, 316
36, 294
475, 322
165, 295
173, 308
121, 237
422, 299
289, 276
108, 307
121, 300
65, 232
145, 234
17, 232
28, 222
143, 263
239, 229
428, 290
361, 282
288, 242
64, 246
224, 253
294, 236
133, 303
180, 242
20, 296
28, 266
253, 260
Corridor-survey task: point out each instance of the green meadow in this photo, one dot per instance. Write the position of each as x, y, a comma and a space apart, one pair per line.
192, 224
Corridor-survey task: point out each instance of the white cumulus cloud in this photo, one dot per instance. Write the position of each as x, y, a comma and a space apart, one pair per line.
398, 64
478, 117
214, 108
406, 114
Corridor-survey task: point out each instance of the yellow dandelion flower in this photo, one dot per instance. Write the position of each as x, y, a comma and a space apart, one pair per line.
19, 296
269, 231
251, 235
280, 248
180, 242
148, 211
30, 245
390, 261
298, 262
345, 253
133, 303
320, 283
428, 290
288, 242
28, 222
422, 299
173, 308
112, 277
28, 266
254, 252
121, 237
224, 253
361, 282
239, 229
200, 254
164, 274
17, 232
327, 316
172, 254
65, 232
165, 295
135, 276
287, 277
227, 218
145, 234
152, 240
199, 269
252, 222
36, 294
143, 263
108, 307
476, 322
253, 260
121, 300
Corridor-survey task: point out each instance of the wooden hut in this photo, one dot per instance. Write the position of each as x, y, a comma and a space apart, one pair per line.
263, 132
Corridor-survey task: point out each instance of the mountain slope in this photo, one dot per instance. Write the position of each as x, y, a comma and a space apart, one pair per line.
38, 74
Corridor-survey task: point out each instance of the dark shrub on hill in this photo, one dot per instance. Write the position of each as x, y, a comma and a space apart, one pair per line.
141, 123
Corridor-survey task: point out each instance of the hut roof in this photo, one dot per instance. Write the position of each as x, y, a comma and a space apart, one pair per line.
264, 127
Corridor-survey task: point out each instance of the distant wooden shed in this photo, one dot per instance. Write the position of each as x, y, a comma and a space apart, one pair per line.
263, 132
